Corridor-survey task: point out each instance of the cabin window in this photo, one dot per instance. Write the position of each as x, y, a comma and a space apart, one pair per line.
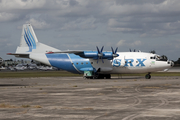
86, 62
77, 63
82, 63
91, 62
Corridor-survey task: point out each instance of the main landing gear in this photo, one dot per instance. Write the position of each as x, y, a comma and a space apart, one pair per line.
148, 76
98, 76
104, 76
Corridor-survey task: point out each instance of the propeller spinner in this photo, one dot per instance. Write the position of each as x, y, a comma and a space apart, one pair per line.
114, 52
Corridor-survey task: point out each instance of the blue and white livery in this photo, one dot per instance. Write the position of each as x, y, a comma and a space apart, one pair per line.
101, 64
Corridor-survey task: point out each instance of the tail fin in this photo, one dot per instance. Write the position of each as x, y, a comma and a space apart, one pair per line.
28, 37
29, 42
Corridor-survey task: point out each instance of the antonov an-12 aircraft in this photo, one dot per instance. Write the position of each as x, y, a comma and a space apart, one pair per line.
98, 63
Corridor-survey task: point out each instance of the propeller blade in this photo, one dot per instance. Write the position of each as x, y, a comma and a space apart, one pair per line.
116, 50
102, 60
102, 49
100, 54
112, 50
98, 49
97, 59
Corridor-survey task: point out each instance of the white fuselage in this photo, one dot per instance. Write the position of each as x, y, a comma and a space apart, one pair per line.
132, 62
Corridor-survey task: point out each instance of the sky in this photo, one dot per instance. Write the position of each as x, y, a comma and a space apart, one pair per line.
144, 25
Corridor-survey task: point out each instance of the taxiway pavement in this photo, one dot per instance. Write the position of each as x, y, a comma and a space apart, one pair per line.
73, 98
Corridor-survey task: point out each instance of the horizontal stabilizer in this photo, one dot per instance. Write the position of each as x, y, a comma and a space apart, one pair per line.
19, 55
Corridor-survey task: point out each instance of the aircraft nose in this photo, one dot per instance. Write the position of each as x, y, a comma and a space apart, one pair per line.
172, 63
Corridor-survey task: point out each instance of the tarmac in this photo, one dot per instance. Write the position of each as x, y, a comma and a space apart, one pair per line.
75, 98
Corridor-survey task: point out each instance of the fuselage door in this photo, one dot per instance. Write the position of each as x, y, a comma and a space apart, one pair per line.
152, 61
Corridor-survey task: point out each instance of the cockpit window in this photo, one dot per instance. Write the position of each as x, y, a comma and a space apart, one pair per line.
152, 57
161, 58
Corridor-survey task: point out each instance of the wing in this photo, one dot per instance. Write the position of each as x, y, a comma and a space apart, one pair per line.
77, 52
99, 54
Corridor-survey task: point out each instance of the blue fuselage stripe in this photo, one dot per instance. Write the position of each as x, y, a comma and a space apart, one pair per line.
74, 64
79, 62
61, 61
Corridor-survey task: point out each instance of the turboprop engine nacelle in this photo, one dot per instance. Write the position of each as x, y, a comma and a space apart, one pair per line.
95, 55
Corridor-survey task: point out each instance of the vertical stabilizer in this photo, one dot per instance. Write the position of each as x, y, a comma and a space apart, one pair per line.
28, 37
29, 42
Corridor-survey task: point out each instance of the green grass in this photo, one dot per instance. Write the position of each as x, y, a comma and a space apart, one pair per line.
25, 106
25, 74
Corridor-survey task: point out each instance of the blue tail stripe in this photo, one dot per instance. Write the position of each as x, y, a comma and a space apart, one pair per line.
26, 38
30, 48
28, 41
32, 39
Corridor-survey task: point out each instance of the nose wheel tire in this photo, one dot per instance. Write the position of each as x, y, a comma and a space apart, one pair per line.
148, 76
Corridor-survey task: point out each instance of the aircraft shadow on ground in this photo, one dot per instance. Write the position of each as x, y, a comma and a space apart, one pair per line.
11, 85
129, 77
121, 78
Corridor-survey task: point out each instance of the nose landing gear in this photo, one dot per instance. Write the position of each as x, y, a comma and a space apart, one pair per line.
148, 76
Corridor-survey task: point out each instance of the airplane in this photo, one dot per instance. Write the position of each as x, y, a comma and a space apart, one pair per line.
45, 68
20, 67
1, 61
2, 68
96, 64
11, 68
31, 66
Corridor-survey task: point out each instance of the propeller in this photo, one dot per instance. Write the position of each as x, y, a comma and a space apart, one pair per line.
131, 50
114, 52
100, 54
